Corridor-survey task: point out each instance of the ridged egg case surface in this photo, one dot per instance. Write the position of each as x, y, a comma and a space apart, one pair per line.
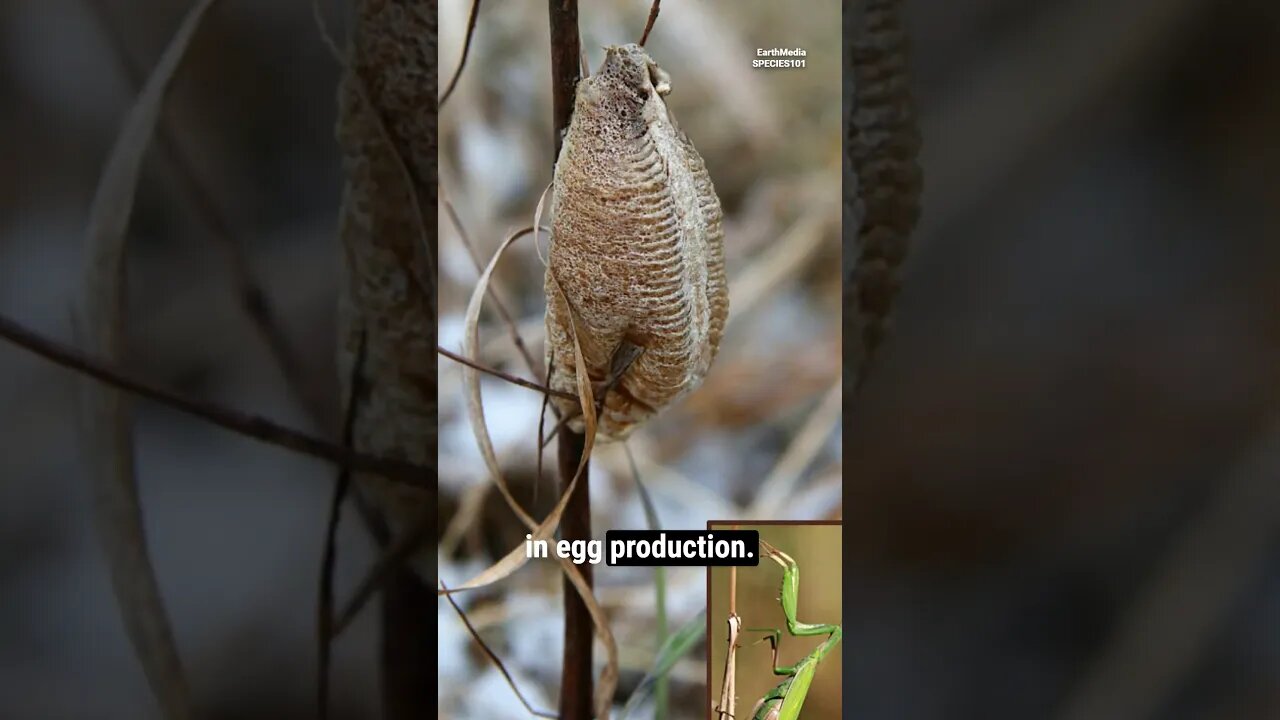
636, 246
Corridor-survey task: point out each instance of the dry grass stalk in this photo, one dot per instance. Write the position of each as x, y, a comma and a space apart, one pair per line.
108, 427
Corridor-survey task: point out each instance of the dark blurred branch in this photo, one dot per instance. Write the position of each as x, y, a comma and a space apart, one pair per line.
252, 426
324, 611
382, 574
466, 50
254, 300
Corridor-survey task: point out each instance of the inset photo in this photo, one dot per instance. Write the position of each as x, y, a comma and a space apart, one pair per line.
774, 633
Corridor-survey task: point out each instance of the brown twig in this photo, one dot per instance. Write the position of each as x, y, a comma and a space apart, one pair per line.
512, 327
493, 657
575, 524
576, 680
466, 50
504, 376
253, 426
653, 17
566, 48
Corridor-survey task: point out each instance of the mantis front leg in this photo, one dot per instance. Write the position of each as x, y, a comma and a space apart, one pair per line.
784, 701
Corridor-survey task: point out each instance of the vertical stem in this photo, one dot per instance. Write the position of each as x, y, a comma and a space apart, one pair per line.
566, 47
576, 679
575, 524
408, 646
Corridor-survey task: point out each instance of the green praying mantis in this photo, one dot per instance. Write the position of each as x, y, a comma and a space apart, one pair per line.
784, 701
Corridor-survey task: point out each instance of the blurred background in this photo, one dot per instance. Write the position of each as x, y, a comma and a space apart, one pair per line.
1067, 436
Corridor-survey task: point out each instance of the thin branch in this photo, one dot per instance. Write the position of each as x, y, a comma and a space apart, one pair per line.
395, 556
254, 300
324, 613
653, 17
624, 356
466, 50
253, 426
512, 327
493, 657
505, 376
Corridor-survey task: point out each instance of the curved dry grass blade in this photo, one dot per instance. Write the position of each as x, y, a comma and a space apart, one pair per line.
493, 657
471, 380
466, 50
109, 426
517, 558
542, 426
513, 328
609, 675
195, 190
537, 222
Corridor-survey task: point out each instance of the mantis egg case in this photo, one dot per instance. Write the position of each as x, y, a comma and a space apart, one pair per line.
636, 246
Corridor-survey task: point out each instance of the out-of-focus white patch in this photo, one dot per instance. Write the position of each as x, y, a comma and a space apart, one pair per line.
491, 698
40, 259
511, 414
494, 163
450, 331
455, 573
58, 53
535, 632
452, 662
456, 261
